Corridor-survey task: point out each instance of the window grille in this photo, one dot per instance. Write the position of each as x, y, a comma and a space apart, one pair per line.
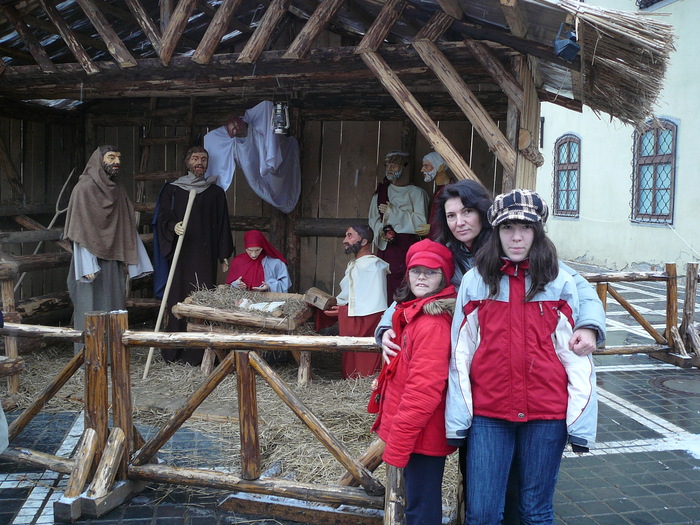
567, 171
654, 173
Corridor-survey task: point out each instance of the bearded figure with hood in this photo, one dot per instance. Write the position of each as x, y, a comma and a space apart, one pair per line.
397, 215
101, 225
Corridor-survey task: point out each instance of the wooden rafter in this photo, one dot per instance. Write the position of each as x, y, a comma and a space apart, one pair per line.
30, 40
70, 38
418, 115
452, 8
313, 27
260, 38
215, 32
520, 26
468, 103
436, 27
375, 35
497, 70
176, 26
166, 10
116, 47
47, 26
14, 53
149, 28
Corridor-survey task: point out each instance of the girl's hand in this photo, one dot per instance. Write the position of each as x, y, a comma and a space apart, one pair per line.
389, 347
583, 341
333, 312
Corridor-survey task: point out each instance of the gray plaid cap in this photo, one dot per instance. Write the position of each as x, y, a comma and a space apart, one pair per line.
518, 205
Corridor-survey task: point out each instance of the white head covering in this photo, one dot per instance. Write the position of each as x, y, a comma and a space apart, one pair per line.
437, 162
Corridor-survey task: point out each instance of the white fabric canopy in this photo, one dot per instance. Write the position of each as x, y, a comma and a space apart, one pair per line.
269, 162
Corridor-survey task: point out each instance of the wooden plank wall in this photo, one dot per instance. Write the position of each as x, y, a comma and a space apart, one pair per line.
342, 164
43, 154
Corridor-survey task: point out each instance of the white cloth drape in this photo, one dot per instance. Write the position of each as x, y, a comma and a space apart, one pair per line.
270, 163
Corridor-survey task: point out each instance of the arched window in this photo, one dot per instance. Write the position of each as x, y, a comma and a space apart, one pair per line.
567, 174
654, 172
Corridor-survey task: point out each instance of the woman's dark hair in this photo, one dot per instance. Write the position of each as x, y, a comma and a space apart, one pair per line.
473, 195
404, 293
544, 264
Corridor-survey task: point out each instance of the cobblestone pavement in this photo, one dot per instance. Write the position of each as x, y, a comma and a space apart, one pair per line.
644, 470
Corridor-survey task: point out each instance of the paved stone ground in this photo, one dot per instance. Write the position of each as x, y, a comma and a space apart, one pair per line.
644, 470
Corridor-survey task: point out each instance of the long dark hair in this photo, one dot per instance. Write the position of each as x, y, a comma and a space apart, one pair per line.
544, 263
473, 195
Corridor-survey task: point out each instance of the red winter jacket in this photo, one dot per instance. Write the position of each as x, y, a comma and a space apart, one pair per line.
411, 415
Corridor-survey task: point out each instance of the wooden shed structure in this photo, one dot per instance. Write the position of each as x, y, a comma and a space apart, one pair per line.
361, 77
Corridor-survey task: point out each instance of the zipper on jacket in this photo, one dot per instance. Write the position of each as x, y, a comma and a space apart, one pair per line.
516, 270
541, 310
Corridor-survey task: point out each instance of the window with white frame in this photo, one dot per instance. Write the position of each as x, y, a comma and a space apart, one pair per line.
654, 173
567, 174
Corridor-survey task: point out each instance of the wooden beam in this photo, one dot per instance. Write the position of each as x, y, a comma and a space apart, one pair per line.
215, 32
260, 38
29, 39
451, 8
436, 27
488, 59
166, 10
116, 47
520, 26
313, 27
70, 38
375, 35
176, 27
468, 103
47, 26
149, 28
14, 53
418, 116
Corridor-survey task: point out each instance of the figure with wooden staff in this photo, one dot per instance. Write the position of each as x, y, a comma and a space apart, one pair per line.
398, 213
207, 243
101, 225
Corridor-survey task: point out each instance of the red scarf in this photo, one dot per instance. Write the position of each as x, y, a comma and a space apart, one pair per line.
404, 314
250, 270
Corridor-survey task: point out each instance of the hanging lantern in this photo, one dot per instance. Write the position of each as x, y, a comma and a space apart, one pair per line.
565, 46
280, 119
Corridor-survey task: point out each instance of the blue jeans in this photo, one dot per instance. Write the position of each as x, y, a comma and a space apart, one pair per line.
423, 478
492, 445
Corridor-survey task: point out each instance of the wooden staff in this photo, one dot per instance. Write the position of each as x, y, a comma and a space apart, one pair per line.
176, 255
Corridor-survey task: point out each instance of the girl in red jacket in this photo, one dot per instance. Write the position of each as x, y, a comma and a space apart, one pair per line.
410, 391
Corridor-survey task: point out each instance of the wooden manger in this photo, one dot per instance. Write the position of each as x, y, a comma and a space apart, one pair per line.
227, 310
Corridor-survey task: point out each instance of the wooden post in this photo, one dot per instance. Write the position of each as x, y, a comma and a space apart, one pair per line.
185, 411
83, 461
671, 301
602, 291
304, 373
122, 404
395, 498
8, 306
109, 466
637, 316
248, 417
96, 392
691, 287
